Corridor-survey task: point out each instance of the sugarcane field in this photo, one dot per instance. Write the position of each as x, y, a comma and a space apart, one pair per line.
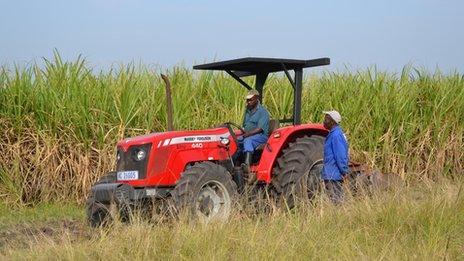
187, 148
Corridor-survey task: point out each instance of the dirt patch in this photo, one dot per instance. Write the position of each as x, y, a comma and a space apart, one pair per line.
22, 235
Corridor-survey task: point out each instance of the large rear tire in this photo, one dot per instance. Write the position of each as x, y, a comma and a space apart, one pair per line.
205, 191
297, 174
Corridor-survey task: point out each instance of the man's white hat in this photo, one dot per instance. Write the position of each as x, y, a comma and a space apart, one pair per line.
251, 94
335, 115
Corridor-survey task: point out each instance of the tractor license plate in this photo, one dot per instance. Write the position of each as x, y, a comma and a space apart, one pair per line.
128, 175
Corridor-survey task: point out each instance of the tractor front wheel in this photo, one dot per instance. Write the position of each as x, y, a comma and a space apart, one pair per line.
98, 214
206, 191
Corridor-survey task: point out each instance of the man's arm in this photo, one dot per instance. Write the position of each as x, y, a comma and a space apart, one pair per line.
263, 121
252, 132
340, 154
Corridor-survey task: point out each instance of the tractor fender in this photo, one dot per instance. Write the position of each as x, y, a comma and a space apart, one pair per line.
107, 192
279, 140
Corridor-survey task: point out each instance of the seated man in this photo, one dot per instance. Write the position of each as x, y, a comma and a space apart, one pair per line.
255, 124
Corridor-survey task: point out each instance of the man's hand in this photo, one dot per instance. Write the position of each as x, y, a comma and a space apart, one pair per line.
345, 177
244, 135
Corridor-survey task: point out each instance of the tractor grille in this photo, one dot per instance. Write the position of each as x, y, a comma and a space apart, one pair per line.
127, 161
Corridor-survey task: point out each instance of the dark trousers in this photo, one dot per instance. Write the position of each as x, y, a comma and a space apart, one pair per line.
334, 189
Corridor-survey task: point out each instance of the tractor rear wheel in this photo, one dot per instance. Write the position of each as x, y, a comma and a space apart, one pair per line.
297, 174
205, 191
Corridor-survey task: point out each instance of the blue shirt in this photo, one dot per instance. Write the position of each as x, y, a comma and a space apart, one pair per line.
258, 117
335, 155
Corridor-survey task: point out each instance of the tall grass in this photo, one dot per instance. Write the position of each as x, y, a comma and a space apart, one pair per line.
59, 122
419, 223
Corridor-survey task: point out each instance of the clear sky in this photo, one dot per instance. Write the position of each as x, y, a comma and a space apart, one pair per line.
355, 33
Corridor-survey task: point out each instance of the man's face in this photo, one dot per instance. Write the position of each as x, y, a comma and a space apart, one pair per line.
252, 102
328, 122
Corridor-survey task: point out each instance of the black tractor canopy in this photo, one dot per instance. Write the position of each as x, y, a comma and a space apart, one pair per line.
261, 67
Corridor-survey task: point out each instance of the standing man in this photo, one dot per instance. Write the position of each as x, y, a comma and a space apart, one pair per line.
336, 157
255, 124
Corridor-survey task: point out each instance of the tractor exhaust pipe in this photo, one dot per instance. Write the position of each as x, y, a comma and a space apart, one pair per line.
168, 102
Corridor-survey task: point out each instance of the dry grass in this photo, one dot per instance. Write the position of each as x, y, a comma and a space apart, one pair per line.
422, 222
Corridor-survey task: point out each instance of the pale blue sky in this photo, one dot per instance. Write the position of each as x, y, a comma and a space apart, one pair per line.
356, 33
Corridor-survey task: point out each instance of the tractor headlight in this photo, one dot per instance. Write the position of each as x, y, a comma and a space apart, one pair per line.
118, 156
140, 155
225, 141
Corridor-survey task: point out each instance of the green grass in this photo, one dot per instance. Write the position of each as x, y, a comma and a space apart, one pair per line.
41, 213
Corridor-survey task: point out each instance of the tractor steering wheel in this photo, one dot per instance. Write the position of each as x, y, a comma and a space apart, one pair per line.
229, 126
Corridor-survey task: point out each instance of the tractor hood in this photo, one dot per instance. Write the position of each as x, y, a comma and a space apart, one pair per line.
159, 139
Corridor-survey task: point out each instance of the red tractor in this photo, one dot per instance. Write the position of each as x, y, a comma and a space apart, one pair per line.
196, 170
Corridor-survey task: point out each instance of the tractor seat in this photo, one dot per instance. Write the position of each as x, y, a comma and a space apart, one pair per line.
273, 125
